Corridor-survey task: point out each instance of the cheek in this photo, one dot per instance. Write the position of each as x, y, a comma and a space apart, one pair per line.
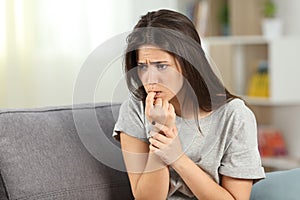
179, 83
141, 77
175, 84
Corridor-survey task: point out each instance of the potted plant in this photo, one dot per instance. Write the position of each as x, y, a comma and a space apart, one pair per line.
224, 19
271, 25
269, 9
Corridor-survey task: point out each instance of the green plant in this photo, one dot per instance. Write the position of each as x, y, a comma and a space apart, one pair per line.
224, 14
223, 17
269, 9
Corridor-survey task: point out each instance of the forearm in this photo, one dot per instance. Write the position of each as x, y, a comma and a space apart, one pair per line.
202, 186
154, 182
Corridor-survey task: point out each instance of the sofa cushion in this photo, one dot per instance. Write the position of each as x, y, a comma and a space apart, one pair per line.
43, 157
3, 195
278, 185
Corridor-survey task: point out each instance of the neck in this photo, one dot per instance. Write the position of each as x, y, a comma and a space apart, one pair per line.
183, 105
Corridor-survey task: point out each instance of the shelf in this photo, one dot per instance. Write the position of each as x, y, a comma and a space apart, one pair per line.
245, 40
237, 59
280, 163
235, 40
263, 101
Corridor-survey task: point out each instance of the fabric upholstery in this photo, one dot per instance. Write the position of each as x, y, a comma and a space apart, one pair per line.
2, 190
42, 156
278, 185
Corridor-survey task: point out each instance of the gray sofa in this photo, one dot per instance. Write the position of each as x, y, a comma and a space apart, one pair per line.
43, 157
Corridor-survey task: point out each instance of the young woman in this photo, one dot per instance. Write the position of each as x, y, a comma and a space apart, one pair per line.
183, 134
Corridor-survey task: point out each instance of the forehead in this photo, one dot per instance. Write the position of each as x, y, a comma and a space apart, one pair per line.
153, 53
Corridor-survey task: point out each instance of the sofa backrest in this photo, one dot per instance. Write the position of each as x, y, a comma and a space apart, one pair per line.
43, 157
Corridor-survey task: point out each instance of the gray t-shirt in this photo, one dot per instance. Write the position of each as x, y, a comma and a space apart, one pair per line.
227, 144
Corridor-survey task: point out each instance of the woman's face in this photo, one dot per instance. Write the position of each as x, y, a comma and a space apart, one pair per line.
159, 72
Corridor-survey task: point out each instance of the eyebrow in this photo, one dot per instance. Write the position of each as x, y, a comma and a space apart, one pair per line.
153, 63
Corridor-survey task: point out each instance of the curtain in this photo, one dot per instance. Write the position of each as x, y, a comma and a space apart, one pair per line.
43, 44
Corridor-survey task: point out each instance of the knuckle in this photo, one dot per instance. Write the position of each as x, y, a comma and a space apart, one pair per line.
148, 99
154, 142
154, 135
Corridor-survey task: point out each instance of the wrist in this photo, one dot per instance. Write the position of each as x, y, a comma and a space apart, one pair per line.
154, 163
181, 162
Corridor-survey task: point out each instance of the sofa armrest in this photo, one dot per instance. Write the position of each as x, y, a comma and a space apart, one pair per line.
278, 185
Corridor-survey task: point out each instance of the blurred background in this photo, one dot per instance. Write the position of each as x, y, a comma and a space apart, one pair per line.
254, 43
43, 44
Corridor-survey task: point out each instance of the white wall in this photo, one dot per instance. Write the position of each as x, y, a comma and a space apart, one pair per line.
289, 11
286, 118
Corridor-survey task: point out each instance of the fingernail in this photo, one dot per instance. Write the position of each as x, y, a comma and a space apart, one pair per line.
151, 133
153, 122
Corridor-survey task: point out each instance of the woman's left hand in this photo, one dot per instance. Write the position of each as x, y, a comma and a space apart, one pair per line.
165, 143
159, 110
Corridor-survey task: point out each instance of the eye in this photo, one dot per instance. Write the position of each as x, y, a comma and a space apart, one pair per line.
142, 67
161, 66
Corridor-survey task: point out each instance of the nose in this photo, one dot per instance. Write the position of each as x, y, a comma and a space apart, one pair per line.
151, 76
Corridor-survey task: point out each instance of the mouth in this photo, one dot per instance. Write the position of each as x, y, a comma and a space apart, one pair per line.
157, 93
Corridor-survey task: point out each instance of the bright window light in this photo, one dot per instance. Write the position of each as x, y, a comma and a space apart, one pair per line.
2, 26
100, 18
64, 22
19, 23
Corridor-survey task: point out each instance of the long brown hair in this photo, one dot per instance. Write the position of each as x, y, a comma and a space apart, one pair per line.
176, 34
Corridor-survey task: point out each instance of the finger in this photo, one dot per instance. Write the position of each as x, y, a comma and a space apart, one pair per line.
161, 138
152, 148
153, 133
165, 104
172, 114
159, 126
171, 108
156, 143
150, 98
149, 102
158, 102
164, 129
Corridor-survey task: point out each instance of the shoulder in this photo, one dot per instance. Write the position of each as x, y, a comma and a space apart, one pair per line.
132, 105
132, 110
235, 114
236, 104
131, 120
237, 109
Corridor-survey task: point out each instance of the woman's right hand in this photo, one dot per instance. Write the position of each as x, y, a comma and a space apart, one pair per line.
160, 110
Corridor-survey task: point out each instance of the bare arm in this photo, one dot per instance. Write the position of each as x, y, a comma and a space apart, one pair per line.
203, 187
148, 175
167, 146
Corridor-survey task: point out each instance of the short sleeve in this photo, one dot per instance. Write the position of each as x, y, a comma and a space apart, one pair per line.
242, 158
131, 120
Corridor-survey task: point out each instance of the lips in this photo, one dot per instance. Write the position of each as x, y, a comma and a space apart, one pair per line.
158, 93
